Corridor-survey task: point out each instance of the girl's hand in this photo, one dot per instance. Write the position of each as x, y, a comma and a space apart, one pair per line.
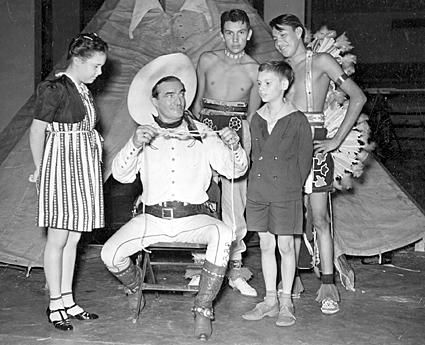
34, 177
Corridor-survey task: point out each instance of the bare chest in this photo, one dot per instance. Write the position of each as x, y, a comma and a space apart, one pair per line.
232, 83
298, 92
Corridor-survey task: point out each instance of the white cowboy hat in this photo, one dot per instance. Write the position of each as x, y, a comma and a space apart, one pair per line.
179, 65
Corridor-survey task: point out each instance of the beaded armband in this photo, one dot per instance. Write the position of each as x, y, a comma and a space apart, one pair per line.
342, 78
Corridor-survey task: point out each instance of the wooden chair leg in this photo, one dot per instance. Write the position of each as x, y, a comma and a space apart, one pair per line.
140, 298
148, 260
144, 261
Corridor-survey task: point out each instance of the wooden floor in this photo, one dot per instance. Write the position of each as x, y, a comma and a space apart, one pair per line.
388, 307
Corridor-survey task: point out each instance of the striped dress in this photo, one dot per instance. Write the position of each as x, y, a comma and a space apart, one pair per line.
70, 182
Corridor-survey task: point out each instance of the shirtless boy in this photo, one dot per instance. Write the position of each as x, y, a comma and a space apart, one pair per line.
227, 96
313, 74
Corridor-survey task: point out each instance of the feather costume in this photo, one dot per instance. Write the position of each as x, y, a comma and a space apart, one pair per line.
350, 156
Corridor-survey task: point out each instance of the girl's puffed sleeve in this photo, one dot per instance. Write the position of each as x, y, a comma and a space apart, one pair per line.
48, 100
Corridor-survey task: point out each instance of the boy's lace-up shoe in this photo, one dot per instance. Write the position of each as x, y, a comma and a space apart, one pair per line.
286, 316
261, 310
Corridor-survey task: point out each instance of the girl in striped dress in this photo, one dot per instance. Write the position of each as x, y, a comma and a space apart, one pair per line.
67, 152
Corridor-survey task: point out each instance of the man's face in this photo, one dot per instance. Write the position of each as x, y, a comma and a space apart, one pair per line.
287, 40
170, 102
235, 36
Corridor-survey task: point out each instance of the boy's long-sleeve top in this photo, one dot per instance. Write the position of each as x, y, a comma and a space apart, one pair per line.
173, 169
281, 160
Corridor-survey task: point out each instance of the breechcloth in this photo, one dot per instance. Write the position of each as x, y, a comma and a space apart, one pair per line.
322, 171
219, 114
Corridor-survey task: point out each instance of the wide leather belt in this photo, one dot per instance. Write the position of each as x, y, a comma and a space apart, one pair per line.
226, 108
175, 209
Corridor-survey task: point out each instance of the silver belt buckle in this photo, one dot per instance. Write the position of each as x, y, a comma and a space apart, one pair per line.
167, 213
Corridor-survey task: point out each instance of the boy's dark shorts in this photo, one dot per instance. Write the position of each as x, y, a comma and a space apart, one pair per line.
279, 218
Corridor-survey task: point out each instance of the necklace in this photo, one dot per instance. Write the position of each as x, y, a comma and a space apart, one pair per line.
234, 56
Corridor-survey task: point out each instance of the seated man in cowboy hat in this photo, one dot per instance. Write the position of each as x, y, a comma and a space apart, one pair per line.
174, 155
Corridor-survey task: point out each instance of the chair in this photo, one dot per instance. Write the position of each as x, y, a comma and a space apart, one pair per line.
146, 263
144, 259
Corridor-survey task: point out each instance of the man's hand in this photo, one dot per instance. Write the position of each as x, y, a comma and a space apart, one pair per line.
144, 135
230, 137
325, 146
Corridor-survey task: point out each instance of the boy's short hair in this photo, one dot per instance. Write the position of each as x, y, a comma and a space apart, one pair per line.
287, 20
235, 15
278, 67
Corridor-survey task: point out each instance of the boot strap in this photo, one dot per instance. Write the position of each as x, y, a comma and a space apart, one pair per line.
129, 291
204, 311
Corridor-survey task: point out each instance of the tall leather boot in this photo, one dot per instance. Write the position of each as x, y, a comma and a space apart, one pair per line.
131, 278
209, 285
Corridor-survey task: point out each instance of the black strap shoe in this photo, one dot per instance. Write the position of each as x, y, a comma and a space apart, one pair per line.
83, 316
64, 324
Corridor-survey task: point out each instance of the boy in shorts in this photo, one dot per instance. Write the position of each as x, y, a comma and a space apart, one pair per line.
281, 154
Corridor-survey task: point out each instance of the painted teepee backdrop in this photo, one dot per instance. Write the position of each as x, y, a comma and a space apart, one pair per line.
377, 216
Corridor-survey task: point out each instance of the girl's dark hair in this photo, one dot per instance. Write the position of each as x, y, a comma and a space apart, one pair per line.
235, 15
85, 45
169, 78
287, 20
278, 67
